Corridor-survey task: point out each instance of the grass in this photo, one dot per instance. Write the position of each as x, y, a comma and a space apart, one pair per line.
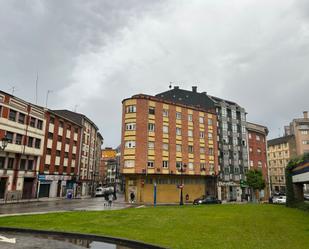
218, 226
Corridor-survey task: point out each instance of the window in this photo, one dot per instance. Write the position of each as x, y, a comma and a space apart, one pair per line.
260, 164
259, 151
61, 124
32, 121
59, 138
2, 162
201, 120
223, 111
165, 146
202, 134
51, 120
76, 130
67, 140
151, 110
165, 113
210, 122
178, 147
251, 163
250, 149
165, 129
178, 131
190, 149
40, 124
224, 126
233, 114
10, 163
242, 116
46, 167
234, 128
30, 142
202, 166
190, 133
190, 166
178, 164
209, 135
178, 115
243, 129
18, 139
22, 164
130, 127
190, 117
66, 154
164, 164
202, 150
150, 164
210, 151
48, 151
305, 141
304, 132
258, 138
21, 118
37, 143
50, 135
130, 109
12, 115
235, 141
151, 127
58, 153
151, 145
30, 165
130, 144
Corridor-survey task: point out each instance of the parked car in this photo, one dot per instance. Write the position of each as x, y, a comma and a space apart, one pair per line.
279, 199
206, 200
101, 191
306, 196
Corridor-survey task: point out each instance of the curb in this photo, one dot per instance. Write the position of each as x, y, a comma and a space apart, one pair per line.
107, 239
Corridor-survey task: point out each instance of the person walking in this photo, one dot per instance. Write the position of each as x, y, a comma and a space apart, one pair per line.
132, 197
110, 200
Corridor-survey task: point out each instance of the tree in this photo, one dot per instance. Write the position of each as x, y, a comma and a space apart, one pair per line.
255, 180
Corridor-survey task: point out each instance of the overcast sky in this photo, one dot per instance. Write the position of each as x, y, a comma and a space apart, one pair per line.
93, 54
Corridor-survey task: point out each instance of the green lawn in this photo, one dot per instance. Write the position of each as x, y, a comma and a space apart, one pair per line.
218, 226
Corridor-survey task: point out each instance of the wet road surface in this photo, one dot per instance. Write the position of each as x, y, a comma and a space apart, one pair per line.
90, 204
29, 241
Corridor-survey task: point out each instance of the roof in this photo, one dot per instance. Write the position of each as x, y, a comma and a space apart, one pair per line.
188, 98
74, 116
257, 128
280, 140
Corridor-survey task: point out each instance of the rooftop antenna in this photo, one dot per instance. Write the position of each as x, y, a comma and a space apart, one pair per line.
13, 88
48, 92
36, 88
170, 86
75, 108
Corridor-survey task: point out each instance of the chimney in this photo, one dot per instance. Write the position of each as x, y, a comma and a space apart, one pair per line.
305, 115
176, 87
194, 89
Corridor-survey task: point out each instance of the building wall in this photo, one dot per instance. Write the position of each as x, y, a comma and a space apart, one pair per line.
152, 148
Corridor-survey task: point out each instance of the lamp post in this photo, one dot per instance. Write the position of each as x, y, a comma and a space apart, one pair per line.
181, 169
4, 143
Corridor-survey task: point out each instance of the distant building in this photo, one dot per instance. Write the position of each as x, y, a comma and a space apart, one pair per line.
168, 144
23, 124
280, 151
58, 171
299, 127
109, 165
257, 143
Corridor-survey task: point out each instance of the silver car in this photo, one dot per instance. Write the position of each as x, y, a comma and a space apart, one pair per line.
279, 199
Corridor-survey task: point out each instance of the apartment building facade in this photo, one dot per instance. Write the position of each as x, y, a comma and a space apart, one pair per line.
109, 165
280, 151
90, 148
233, 147
58, 170
23, 125
257, 143
168, 146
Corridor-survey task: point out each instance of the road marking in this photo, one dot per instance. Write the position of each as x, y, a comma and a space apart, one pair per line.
7, 240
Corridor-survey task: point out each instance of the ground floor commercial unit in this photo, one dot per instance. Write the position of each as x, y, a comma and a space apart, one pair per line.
52, 186
167, 188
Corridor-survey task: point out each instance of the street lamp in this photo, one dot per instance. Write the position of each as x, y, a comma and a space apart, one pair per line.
4, 143
181, 169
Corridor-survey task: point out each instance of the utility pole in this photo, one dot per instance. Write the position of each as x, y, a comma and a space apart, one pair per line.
47, 94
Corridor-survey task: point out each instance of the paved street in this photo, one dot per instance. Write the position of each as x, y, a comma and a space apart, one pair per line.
28, 241
62, 205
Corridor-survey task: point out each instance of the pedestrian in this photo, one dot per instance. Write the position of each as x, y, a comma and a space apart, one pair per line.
132, 197
105, 199
110, 200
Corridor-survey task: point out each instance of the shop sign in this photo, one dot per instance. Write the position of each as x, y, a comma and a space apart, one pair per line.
225, 184
54, 178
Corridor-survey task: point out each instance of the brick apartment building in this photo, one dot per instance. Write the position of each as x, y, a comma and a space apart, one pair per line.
109, 165
23, 124
167, 145
232, 139
257, 143
90, 151
58, 170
